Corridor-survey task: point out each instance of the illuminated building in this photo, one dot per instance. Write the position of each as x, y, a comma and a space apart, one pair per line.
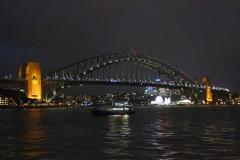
4, 100
208, 93
33, 74
153, 91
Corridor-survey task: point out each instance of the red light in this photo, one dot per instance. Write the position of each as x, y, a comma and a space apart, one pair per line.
119, 106
134, 52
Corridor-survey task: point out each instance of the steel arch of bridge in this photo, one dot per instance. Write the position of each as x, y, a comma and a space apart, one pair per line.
77, 71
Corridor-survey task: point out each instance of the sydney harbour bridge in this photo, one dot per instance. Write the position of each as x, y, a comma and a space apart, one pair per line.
112, 69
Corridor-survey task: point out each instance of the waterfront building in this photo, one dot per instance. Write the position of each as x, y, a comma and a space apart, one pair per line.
4, 101
11, 97
153, 91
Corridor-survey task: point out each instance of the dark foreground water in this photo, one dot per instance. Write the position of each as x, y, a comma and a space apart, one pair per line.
152, 133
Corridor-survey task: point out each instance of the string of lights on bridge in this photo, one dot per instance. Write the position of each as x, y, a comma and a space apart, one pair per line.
118, 80
158, 81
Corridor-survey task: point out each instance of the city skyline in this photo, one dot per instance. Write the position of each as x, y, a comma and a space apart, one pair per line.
201, 38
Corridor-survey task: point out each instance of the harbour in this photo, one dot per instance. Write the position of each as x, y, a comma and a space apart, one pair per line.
154, 132
119, 80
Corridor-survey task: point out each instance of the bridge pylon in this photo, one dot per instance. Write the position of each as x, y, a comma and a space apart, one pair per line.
32, 72
208, 93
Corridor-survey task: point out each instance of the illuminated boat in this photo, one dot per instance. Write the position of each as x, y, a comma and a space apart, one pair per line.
75, 106
114, 109
184, 103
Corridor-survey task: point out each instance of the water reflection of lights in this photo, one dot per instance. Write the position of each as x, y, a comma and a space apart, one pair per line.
118, 138
156, 134
33, 133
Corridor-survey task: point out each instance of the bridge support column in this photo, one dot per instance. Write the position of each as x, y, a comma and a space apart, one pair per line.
47, 92
34, 87
55, 89
62, 85
208, 93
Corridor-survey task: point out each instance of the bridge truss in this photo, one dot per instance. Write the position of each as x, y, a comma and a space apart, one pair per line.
119, 68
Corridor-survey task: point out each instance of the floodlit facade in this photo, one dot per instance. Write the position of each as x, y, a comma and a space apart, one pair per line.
22, 71
208, 93
33, 74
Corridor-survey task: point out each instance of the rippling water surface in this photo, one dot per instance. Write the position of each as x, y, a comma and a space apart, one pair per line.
152, 133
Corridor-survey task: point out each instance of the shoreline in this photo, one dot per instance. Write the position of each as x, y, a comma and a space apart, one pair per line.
30, 107
135, 106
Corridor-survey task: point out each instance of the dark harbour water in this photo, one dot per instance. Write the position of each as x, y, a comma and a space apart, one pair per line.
197, 132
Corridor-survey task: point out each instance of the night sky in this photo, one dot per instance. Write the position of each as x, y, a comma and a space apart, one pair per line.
200, 37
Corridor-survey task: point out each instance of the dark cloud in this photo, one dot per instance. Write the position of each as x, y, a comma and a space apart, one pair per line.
200, 37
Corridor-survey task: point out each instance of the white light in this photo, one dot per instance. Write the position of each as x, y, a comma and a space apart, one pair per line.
167, 100
159, 99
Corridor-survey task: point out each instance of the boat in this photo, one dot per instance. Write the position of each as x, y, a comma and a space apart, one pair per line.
115, 108
185, 102
75, 106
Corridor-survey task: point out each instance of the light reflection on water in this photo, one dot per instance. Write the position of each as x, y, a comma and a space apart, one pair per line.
24, 134
33, 133
118, 136
152, 133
